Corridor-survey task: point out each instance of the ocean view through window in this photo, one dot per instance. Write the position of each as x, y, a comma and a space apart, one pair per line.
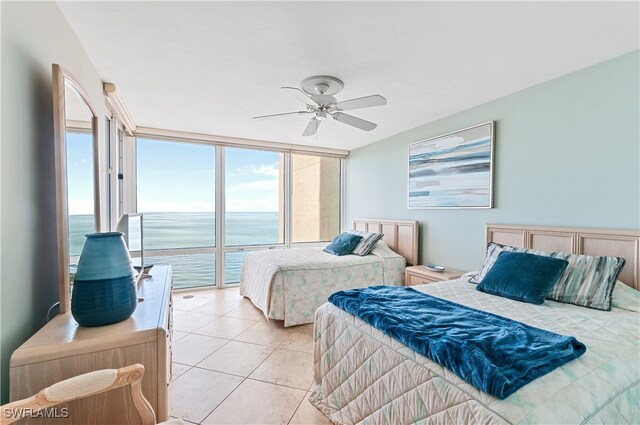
79, 191
176, 192
269, 199
176, 189
180, 184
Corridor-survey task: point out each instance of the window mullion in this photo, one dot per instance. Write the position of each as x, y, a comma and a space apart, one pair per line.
287, 200
220, 216
343, 195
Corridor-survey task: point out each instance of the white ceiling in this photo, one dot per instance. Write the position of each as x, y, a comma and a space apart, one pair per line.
208, 67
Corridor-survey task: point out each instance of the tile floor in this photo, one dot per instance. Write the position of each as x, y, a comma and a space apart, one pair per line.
232, 366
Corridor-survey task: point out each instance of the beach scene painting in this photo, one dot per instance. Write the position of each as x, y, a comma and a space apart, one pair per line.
453, 170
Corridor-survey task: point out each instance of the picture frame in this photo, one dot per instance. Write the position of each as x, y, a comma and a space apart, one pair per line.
453, 170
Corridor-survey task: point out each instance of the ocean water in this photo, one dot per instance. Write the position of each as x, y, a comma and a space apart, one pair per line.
192, 230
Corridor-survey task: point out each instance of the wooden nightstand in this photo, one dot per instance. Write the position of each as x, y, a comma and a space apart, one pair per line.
418, 275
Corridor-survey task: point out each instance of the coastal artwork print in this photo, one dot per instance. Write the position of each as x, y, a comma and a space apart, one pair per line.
453, 170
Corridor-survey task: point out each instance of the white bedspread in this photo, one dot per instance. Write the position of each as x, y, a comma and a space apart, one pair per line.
364, 376
291, 284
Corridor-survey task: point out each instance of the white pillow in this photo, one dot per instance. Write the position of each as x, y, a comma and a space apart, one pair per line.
382, 250
625, 297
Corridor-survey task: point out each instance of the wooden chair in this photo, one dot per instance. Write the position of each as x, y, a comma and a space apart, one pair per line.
86, 385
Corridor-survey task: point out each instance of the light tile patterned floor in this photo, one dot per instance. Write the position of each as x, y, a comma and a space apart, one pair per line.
232, 366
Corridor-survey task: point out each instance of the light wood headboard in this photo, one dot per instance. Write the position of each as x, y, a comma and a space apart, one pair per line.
400, 236
597, 242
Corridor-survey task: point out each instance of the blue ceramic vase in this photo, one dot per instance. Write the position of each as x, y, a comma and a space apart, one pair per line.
104, 291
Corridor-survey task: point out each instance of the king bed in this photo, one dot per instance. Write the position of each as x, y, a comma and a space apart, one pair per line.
362, 375
291, 284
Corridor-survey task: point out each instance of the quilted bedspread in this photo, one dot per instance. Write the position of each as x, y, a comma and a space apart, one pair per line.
364, 376
291, 284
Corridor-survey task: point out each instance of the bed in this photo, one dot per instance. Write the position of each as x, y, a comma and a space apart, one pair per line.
291, 284
361, 375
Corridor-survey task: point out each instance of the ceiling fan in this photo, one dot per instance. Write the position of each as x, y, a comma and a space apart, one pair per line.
317, 94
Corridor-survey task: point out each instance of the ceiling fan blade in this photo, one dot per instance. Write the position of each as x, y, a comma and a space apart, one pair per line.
280, 115
354, 121
312, 127
300, 95
362, 102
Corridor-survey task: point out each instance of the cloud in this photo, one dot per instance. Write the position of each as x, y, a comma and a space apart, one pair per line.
262, 169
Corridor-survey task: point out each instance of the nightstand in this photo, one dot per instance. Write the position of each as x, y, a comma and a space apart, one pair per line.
418, 275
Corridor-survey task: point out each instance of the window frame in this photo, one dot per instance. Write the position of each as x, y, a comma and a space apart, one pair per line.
220, 144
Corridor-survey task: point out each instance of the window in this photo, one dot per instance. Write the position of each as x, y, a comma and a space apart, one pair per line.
254, 197
268, 199
80, 189
176, 193
315, 198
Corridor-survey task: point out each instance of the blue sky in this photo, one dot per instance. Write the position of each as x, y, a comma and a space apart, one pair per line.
80, 173
180, 177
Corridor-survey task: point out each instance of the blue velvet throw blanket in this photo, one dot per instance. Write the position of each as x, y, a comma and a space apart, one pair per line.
494, 354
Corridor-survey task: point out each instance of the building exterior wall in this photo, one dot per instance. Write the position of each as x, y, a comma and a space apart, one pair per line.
316, 198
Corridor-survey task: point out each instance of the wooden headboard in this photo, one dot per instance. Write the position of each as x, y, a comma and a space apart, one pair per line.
597, 242
400, 236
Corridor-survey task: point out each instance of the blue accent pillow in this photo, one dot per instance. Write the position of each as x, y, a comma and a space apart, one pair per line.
343, 244
522, 277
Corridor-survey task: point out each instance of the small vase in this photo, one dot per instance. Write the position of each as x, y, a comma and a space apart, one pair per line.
104, 290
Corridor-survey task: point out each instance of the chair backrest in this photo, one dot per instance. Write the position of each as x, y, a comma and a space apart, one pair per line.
81, 386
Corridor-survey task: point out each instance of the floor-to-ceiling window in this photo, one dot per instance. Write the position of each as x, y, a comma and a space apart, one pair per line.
253, 203
266, 199
176, 191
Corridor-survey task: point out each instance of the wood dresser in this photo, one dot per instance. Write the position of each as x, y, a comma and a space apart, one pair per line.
62, 349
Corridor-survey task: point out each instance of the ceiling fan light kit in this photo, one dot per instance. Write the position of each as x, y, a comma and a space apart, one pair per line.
317, 94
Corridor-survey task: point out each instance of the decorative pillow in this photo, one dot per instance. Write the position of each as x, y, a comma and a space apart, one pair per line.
367, 243
522, 277
343, 244
625, 297
587, 281
493, 250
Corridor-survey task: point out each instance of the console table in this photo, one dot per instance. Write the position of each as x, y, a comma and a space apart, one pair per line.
62, 349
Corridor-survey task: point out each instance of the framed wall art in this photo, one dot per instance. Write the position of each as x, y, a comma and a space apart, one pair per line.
454, 170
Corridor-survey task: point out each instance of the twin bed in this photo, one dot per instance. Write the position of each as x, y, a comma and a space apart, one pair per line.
364, 376
291, 284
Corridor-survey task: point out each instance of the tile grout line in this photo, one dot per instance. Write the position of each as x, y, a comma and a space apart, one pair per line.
243, 378
248, 377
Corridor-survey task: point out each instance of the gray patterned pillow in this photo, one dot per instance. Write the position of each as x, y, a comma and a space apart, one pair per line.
587, 281
369, 240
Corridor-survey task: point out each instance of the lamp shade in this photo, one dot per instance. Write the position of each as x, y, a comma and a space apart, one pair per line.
104, 290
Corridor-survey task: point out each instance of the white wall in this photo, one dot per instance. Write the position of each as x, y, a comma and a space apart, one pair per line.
34, 35
567, 154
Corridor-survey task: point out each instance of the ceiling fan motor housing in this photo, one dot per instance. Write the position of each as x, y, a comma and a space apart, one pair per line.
321, 115
321, 84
